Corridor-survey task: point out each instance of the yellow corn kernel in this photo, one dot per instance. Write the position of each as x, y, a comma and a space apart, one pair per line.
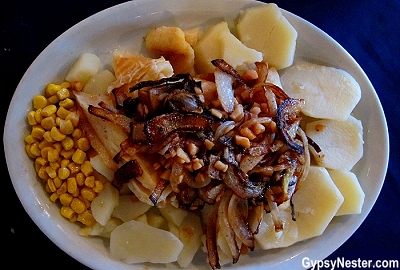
63, 173
67, 211
67, 143
83, 144
42, 144
44, 151
28, 151
86, 202
49, 110
37, 167
98, 186
47, 137
77, 133
80, 179
48, 122
66, 199
78, 206
63, 93
62, 112
57, 182
37, 132
71, 185
66, 126
47, 189
51, 172
54, 197
39, 102
42, 173
55, 165
31, 118
52, 155
67, 153
58, 146
51, 89
53, 99
62, 189
30, 139
57, 135
76, 193
64, 162
88, 193
79, 156
65, 84
67, 103
86, 218
73, 218
74, 168
34, 149
74, 118
41, 161
87, 168
51, 185
89, 181
38, 115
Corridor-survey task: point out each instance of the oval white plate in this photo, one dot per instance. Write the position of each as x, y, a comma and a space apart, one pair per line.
123, 26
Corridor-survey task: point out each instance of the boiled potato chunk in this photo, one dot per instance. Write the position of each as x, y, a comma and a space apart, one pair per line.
98, 84
173, 214
316, 202
268, 238
266, 30
190, 232
341, 142
219, 42
351, 190
129, 208
103, 205
329, 93
136, 242
83, 68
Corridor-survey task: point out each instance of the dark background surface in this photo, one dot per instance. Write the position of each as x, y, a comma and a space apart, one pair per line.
368, 29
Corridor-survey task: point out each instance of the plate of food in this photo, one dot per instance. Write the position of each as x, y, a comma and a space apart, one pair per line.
235, 135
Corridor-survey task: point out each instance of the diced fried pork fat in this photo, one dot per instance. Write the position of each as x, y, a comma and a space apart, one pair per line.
236, 148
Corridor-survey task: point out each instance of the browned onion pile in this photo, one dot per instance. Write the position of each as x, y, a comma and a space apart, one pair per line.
241, 153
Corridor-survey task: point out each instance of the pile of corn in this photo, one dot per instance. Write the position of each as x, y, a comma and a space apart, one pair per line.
59, 149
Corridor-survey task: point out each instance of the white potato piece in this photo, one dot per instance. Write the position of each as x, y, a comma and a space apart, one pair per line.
172, 214
219, 42
268, 238
190, 233
83, 68
99, 165
105, 231
136, 242
341, 142
266, 30
99, 82
129, 208
353, 194
316, 202
103, 205
329, 93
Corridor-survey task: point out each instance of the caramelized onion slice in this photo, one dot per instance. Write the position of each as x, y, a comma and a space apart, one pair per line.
160, 126
117, 118
225, 228
126, 172
211, 236
288, 120
238, 211
239, 182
